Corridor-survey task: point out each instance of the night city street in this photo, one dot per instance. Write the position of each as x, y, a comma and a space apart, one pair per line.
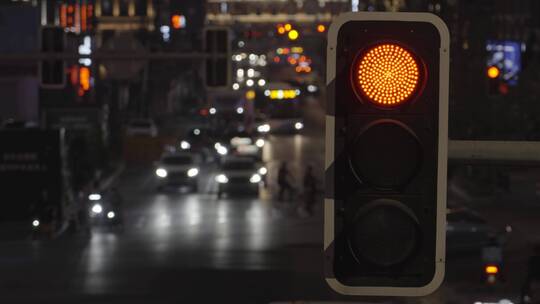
270, 151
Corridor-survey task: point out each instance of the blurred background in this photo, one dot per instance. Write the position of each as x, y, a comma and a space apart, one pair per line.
137, 168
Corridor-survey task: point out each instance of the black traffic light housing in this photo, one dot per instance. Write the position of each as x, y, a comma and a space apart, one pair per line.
386, 153
52, 72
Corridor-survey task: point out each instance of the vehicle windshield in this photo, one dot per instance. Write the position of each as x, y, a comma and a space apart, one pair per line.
238, 165
177, 160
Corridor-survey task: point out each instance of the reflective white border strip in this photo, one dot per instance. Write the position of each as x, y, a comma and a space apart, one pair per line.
442, 146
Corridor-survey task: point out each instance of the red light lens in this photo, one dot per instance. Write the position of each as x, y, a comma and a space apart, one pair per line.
387, 75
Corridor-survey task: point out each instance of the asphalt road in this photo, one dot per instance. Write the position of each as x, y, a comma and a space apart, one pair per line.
181, 247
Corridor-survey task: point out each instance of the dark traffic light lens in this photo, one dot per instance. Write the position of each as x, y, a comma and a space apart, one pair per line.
386, 155
386, 75
384, 233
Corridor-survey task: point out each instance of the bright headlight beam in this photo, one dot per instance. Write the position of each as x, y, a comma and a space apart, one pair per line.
193, 172
97, 208
222, 179
255, 178
94, 197
184, 145
160, 172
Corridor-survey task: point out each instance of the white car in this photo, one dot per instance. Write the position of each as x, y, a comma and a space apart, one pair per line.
177, 169
145, 127
239, 175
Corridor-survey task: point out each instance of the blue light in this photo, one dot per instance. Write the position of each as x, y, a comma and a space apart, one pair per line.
506, 55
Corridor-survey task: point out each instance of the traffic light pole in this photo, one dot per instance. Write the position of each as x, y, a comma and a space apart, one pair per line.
487, 151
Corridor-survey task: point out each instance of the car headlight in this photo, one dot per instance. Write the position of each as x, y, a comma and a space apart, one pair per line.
160, 172
263, 171
298, 126
239, 110
222, 179
217, 145
94, 197
35, 223
260, 143
222, 150
193, 172
184, 145
255, 178
110, 214
97, 209
264, 128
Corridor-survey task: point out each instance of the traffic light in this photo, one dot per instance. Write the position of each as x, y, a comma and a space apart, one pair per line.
52, 72
217, 66
386, 154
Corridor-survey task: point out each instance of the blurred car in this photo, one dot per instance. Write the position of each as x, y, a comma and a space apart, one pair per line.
177, 169
104, 209
145, 127
239, 143
466, 230
239, 175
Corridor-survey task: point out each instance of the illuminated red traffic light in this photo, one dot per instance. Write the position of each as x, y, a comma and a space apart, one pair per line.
387, 75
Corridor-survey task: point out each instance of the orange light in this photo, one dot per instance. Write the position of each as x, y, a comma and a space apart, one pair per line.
491, 269
74, 75
293, 34
250, 95
493, 72
281, 30
276, 59
84, 78
321, 28
387, 75
288, 27
177, 21
63, 15
83, 18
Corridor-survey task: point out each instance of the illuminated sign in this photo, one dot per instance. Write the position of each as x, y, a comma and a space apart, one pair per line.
506, 56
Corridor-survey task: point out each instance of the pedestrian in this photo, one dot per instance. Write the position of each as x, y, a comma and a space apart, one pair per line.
283, 182
310, 189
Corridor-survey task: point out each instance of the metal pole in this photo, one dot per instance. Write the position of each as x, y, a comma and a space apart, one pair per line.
504, 152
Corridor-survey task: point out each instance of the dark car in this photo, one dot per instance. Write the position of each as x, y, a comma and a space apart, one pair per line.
177, 169
238, 175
